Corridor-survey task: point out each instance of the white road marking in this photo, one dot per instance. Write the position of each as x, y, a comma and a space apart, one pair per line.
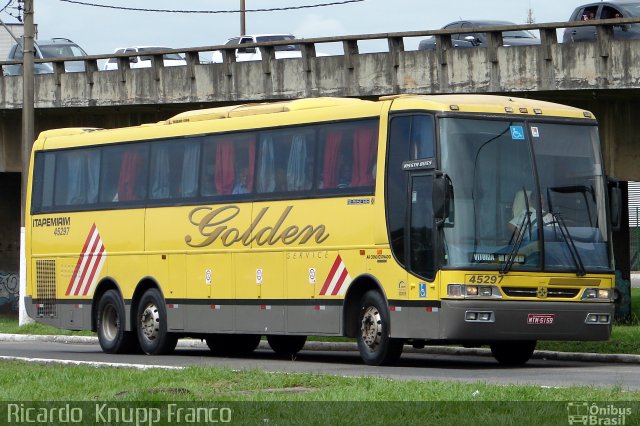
89, 363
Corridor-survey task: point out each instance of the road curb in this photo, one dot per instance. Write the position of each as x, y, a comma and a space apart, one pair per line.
352, 347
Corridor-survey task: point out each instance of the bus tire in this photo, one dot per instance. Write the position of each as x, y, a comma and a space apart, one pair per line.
374, 343
286, 345
151, 324
233, 344
513, 353
110, 325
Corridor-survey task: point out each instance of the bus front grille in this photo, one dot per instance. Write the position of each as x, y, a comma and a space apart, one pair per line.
559, 293
46, 288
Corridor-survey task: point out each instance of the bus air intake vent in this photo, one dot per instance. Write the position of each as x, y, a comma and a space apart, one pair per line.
46, 288
559, 293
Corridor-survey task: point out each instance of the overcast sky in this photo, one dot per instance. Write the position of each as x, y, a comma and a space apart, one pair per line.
100, 30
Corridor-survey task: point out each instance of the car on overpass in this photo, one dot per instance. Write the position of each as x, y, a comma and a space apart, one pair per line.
253, 54
45, 49
143, 59
604, 10
480, 39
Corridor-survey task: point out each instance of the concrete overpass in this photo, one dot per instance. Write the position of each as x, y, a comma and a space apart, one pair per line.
602, 76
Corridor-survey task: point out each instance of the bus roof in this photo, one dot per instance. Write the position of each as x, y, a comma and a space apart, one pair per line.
489, 104
325, 107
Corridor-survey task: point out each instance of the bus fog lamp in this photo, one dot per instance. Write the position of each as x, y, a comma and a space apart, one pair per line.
478, 316
598, 318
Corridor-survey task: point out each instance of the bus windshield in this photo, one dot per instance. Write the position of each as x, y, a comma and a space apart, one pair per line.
508, 174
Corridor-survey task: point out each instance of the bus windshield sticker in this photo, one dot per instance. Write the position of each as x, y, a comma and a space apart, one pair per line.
535, 132
494, 258
423, 163
517, 133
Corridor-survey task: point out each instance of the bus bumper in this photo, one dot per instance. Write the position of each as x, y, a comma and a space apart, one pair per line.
523, 320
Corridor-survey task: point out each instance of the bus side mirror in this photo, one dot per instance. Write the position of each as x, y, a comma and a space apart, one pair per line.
615, 204
442, 198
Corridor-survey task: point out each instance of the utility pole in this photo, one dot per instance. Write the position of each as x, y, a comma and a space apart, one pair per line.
27, 142
242, 18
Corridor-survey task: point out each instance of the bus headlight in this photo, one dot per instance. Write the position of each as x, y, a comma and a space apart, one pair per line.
462, 291
599, 294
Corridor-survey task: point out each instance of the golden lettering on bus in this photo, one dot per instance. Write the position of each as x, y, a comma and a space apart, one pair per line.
215, 224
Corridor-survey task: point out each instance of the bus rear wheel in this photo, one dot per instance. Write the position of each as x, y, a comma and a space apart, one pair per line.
110, 325
233, 344
513, 353
374, 343
151, 320
286, 345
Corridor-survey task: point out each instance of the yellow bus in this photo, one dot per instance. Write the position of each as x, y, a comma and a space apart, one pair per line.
407, 220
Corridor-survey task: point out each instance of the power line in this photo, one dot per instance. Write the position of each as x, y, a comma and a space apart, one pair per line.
275, 9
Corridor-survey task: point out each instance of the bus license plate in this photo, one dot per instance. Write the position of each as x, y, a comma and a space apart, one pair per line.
540, 319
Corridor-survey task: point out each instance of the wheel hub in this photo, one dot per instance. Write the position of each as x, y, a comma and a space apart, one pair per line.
110, 323
150, 322
371, 327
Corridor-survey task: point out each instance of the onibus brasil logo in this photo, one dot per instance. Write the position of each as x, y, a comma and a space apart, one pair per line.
584, 413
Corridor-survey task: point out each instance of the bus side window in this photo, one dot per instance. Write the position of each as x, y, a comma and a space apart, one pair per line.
349, 155
300, 159
77, 177
174, 170
124, 174
285, 161
365, 144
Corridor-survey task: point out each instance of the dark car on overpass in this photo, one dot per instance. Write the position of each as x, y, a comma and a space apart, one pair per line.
480, 39
604, 10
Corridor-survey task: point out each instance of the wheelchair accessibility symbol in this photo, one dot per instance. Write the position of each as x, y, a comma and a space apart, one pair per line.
423, 290
517, 133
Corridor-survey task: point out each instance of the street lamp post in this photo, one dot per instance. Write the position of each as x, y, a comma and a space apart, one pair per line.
243, 27
27, 143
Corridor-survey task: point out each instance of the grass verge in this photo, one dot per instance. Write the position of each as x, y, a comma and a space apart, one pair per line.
112, 395
32, 382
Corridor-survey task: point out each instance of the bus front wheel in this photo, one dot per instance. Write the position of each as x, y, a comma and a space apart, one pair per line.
374, 343
513, 353
151, 320
110, 324
286, 345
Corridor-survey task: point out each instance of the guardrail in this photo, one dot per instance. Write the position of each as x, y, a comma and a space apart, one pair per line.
395, 41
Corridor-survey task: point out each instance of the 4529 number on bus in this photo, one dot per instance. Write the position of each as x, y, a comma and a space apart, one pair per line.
485, 279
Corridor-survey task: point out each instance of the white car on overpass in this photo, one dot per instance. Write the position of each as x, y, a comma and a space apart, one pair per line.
143, 60
253, 54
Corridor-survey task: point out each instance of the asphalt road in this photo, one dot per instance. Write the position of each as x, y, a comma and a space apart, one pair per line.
412, 366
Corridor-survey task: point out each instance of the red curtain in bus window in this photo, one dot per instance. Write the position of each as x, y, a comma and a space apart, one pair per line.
225, 171
331, 165
364, 156
129, 173
252, 163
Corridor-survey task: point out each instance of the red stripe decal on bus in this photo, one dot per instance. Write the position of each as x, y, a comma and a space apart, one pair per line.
334, 268
77, 269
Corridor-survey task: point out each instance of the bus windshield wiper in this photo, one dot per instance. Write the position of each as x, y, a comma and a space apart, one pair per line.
568, 239
524, 226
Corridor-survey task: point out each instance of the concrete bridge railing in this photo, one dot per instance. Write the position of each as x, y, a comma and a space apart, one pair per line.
607, 63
